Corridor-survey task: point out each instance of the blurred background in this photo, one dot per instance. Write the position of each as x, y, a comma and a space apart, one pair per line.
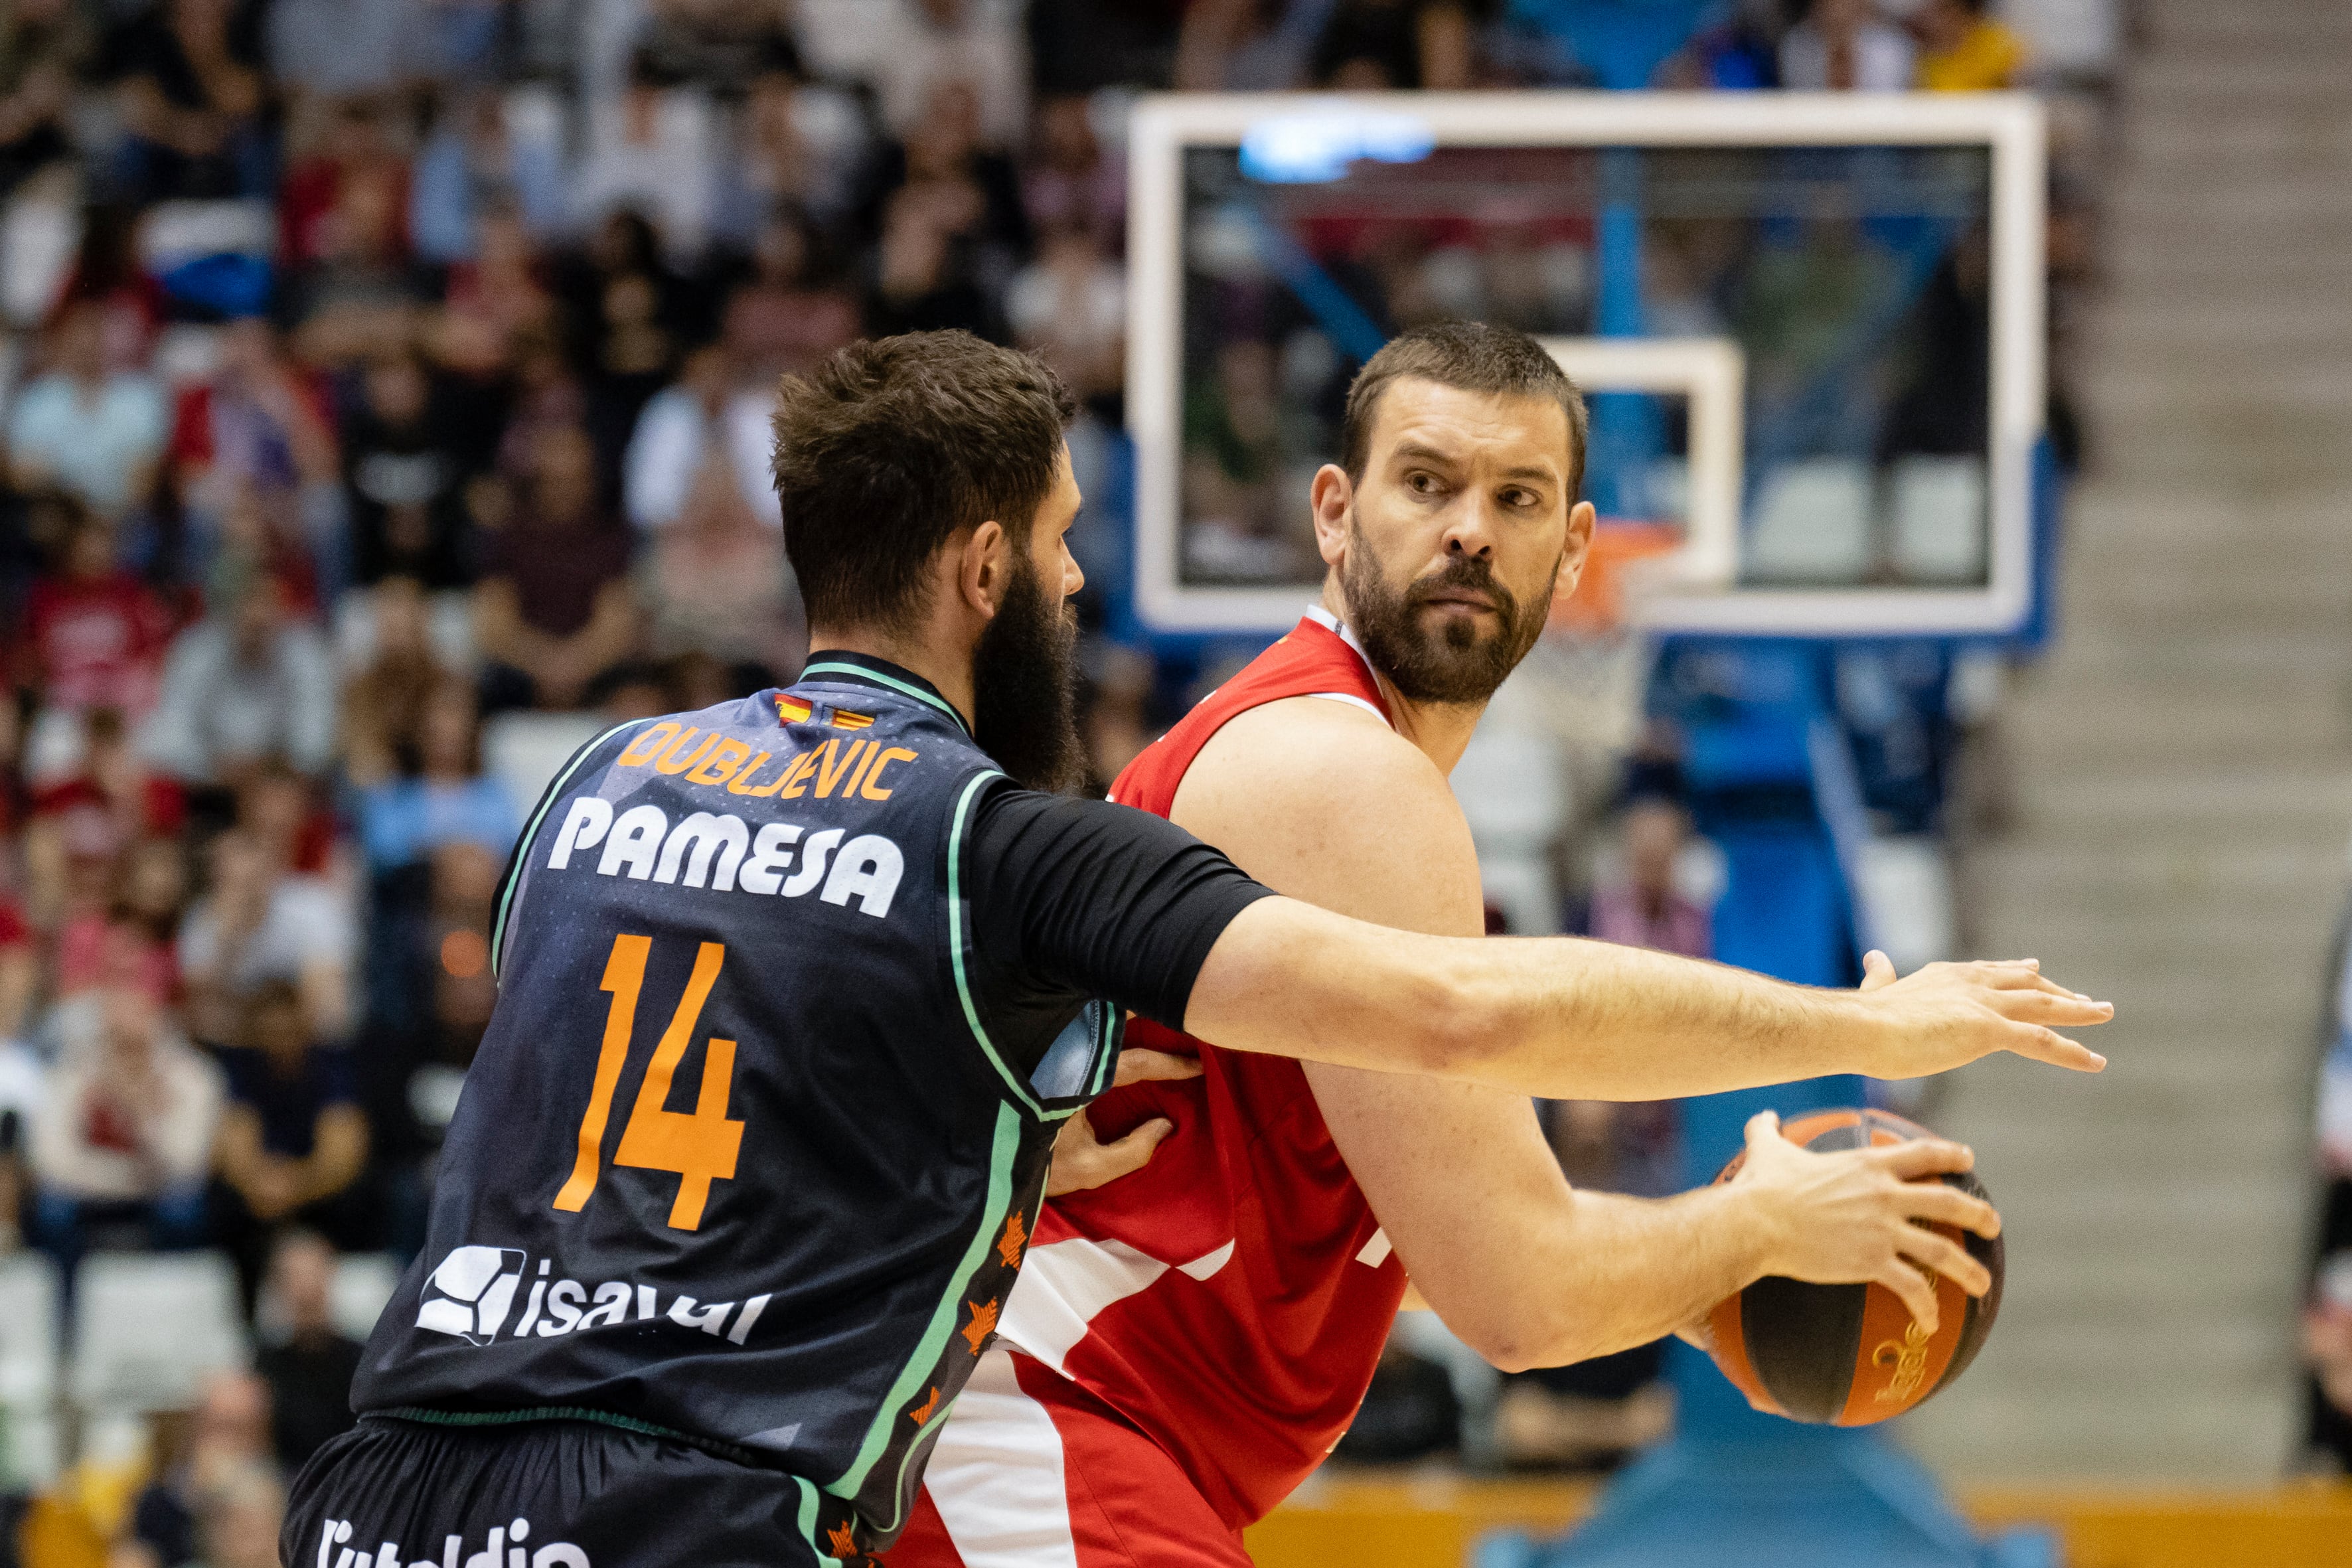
383, 392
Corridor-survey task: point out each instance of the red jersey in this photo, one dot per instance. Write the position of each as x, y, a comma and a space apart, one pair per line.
1230, 1298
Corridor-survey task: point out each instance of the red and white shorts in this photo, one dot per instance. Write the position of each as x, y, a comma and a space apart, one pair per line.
1031, 1471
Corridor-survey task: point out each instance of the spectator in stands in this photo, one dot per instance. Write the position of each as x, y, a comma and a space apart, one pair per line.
803, 150
714, 581
241, 1517
703, 432
1070, 305
472, 160
441, 796
258, 925
653, 150
492, 303
1963, 47
292, 1141
1372, 46
125, 1135
247, 682
108, 271
404, 471
355, 143
927, 43
632, 318
227, 1439
310, 1374
1642, 907
363, 297
553, 608
94, 634
1246, 46
1067, 182
257, 430
720, 45
952, 228
195, 104
342, 48
383, 704
94, 433
1841, 46
44, 46
786, 316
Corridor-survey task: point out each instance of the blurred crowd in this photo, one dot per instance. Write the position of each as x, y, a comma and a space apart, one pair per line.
381, 373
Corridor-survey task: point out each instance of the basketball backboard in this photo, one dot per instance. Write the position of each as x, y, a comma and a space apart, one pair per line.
1862, 271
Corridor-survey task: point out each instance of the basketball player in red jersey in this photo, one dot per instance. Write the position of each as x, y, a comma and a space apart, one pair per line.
1189, 1340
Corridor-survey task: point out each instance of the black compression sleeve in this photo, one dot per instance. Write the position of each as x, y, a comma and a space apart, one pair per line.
1106, 900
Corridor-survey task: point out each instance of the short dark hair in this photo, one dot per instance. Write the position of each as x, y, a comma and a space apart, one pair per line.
891, 447
1474, 356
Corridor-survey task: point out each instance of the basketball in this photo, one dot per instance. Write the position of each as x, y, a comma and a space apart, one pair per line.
1850, 1355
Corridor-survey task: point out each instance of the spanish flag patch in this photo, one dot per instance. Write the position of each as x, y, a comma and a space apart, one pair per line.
799, 710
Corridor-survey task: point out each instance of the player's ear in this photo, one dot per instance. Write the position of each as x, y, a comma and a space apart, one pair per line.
985, 568
1331, 494
1578, 548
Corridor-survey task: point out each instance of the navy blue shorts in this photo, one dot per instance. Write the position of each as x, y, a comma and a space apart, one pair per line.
545, 1493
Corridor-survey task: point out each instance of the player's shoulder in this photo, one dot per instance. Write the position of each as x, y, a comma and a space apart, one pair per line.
1312, 768
1322, 744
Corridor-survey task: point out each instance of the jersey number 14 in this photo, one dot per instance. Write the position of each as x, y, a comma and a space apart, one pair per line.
700, 1144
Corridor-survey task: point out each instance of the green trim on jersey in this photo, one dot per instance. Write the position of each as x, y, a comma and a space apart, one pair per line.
808, 1520
875, 675
956, 942
523, 845
927, 1350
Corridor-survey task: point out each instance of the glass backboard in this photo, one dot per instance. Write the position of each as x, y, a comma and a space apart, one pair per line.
1810, 328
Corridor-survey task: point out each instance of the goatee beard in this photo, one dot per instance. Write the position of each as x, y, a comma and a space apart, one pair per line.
1456, 665
1025, 688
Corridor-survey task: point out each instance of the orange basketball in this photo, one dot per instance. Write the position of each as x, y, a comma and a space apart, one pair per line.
1848, 1355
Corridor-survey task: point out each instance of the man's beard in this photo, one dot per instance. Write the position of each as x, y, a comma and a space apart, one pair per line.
1454, 665
1026, 688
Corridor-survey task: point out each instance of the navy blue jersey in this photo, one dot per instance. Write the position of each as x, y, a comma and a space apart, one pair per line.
752, 1146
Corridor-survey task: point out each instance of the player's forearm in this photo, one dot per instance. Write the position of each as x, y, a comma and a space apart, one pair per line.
1557, 1017
1631, 1271
1603, 1021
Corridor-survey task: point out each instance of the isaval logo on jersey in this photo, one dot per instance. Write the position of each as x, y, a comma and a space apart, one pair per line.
471, 1295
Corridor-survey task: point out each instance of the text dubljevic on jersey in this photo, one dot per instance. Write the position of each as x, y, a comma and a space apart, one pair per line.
720, 850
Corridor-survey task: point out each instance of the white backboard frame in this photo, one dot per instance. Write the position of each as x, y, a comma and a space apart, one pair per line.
2011, 124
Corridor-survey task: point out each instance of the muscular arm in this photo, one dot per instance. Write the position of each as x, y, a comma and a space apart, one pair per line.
1320, 803
1569, 1019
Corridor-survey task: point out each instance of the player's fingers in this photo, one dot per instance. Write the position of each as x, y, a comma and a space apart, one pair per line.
1923, 1157
1877, 970
1762, 1127
2058, 1010
1698, 1334
1918, 1296
1946, 1257
1134, 1150
1138, 1065
1935, 1202
2041, 1045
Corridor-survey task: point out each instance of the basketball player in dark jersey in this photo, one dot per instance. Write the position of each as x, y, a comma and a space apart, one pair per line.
794, 993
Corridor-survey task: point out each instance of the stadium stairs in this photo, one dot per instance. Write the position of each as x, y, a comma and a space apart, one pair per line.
2183, 790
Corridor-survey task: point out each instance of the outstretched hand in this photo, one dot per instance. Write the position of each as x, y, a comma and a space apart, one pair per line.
1944, 1015
1081, 1161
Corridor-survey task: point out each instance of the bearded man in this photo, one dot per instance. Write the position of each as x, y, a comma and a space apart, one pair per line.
1190, 1340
